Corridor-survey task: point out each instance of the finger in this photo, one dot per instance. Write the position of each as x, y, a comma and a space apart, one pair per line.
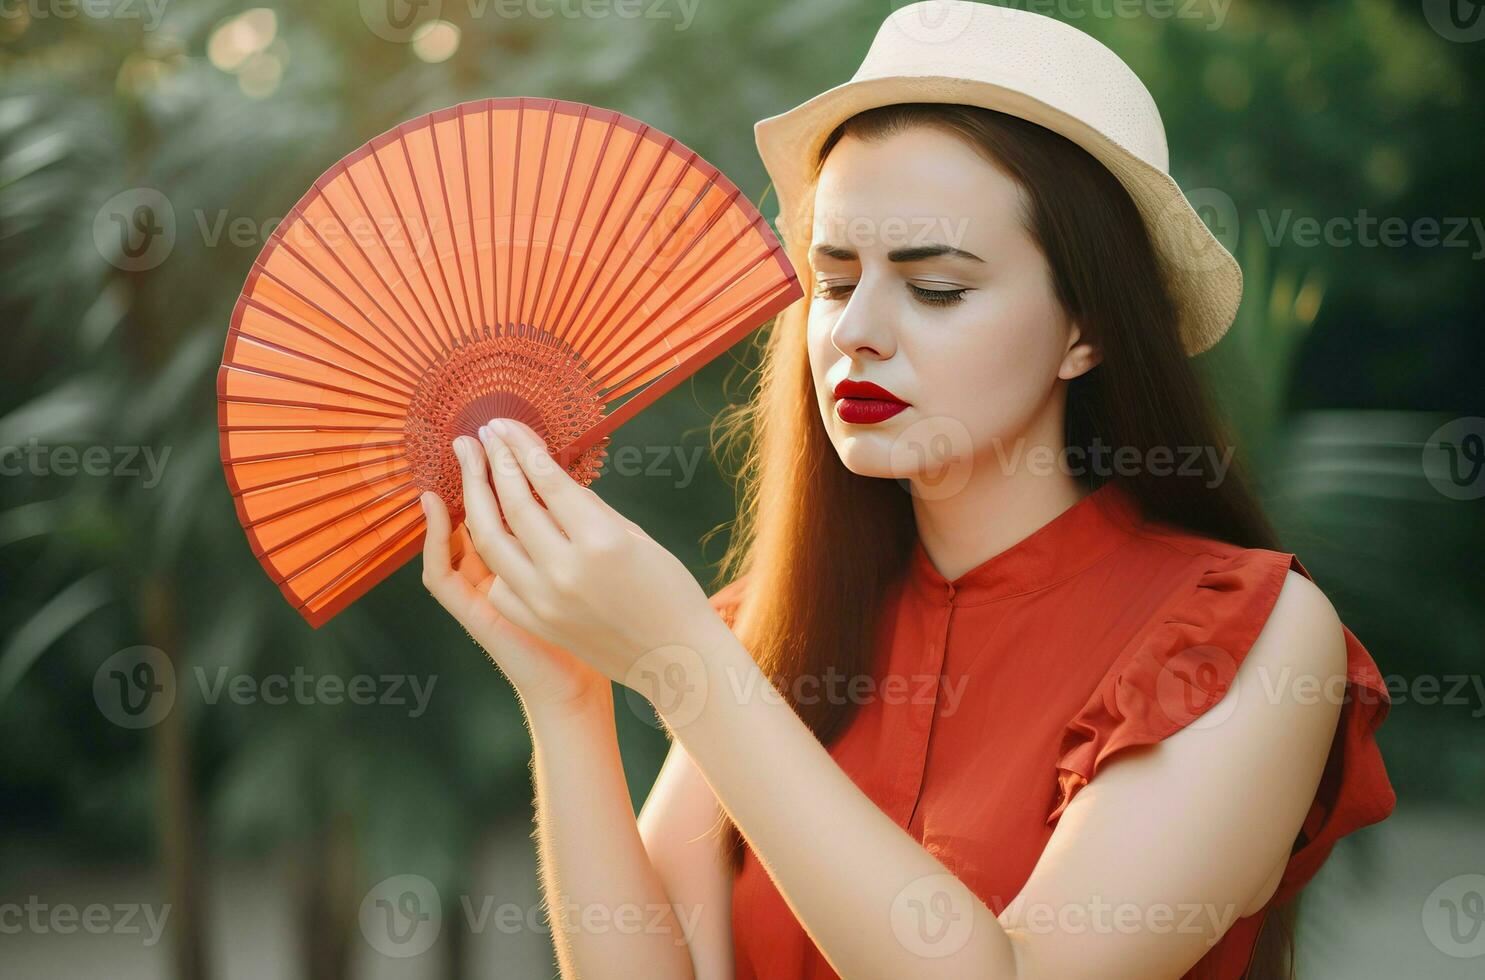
501, 553
514, 608
435, 538
529, 520
571, 505
448, 587
466, 558
480, 511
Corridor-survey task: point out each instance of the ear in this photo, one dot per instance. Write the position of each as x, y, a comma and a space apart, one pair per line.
1081, 356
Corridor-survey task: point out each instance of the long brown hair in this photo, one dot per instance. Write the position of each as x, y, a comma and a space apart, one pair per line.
815, 583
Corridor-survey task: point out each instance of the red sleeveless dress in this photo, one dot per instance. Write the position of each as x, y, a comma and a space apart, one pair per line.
1097, 632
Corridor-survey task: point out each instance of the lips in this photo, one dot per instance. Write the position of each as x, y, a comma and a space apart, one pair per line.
865, 403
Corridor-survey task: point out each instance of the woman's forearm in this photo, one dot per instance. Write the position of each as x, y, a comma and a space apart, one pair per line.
609, 913
872, 899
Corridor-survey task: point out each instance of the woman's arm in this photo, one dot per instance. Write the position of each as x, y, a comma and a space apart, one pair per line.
681, 827
608, 908
1198, 821
607, 905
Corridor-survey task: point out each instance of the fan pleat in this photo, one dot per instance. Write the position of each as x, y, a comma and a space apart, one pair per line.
393, 254
528, 258
264, 325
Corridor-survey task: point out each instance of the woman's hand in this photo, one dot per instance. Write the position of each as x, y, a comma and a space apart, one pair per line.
542, 673
575, 572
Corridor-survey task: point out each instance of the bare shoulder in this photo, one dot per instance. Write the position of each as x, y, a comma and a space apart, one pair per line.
1302, 633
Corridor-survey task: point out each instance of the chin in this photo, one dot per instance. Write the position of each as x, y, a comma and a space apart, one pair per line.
866, 454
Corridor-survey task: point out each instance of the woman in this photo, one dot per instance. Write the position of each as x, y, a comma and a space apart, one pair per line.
1052, 702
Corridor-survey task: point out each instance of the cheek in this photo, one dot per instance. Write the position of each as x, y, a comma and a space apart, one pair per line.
822, 353
992, 373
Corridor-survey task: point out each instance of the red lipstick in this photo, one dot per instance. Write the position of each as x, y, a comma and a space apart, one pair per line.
864, 403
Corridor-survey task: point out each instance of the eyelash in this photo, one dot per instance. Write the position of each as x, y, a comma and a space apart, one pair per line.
932, 297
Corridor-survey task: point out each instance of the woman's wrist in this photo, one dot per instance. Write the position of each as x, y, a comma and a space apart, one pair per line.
688, 682
594, 705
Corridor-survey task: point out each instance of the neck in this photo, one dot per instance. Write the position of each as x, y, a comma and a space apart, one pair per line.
1004, 500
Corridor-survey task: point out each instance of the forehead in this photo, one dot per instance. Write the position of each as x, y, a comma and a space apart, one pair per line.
918, 186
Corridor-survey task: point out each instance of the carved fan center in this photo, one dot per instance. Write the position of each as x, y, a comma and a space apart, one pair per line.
526, 374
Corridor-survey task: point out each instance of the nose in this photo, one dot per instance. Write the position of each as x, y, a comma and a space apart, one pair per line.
862, 329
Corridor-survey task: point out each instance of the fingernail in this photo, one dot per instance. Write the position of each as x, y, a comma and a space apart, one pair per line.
500, 427
484, 432
424, 499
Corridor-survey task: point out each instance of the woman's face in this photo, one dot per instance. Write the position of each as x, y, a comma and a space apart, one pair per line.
926, 283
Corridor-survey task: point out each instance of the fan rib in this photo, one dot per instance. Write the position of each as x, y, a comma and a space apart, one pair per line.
344, 546
602, 220
481, 328
434, 341
431, 353
293, 403
394, 453
443, 277
265, 372
292, 253
365, 576
666, 382
344, 514
257, 523
313, 359
303, 221
494, 255
510, 245
582, 328
317, 451
678, 292
448, 212
577, 220
541, 173
637, 376
253, 303
612, 315
577, 138
616, 317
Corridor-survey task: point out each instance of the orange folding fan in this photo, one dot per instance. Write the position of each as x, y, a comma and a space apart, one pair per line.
536, 259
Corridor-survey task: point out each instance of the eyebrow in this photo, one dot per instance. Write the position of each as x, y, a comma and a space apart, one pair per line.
915, 254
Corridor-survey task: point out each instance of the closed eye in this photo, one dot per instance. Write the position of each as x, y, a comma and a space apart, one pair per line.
929, 297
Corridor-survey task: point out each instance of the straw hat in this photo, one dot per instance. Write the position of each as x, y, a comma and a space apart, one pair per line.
1032, 66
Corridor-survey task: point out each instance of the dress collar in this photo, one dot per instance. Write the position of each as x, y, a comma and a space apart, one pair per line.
1065, 545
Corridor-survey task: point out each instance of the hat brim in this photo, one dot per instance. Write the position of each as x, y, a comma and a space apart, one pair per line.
1205, 281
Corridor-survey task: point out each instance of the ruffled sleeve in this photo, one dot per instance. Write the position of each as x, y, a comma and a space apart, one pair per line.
1185, 663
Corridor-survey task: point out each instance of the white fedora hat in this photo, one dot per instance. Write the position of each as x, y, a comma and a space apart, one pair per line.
1040, 69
